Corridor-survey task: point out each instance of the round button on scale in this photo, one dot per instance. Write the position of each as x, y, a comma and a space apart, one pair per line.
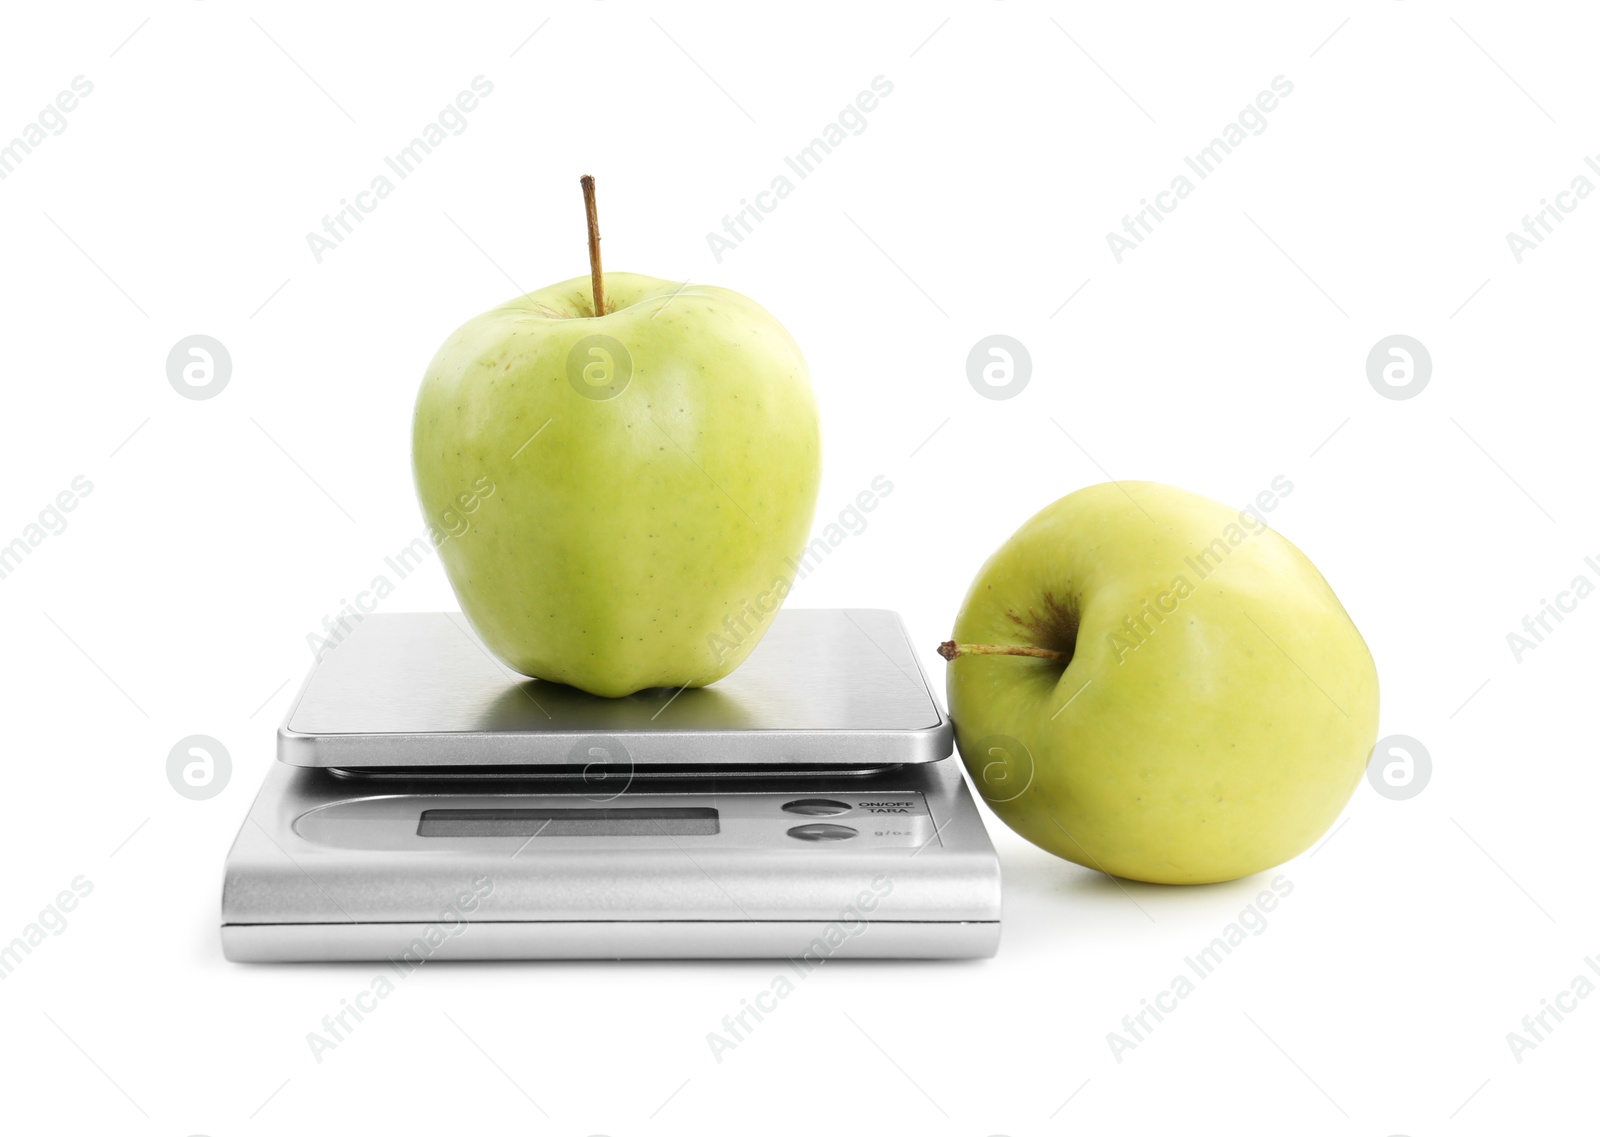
822, 831
816, 807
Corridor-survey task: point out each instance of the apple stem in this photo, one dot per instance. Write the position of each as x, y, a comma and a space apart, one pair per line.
587, 182
950, 649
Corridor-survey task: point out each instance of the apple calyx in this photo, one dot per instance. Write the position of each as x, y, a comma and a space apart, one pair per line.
596, 281
950, 650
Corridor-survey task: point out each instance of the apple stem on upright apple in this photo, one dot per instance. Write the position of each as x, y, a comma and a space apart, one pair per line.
950, 650
587, 182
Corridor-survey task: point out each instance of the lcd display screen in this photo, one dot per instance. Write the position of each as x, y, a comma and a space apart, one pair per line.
574, 821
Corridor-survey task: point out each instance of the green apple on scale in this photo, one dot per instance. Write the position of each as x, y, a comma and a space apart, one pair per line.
656, 455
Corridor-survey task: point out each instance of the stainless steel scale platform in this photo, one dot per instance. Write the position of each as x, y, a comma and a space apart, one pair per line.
429, 803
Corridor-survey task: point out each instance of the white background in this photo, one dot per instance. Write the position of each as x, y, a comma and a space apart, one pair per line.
1229, 348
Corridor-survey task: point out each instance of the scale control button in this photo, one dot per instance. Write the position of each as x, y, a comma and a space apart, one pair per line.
822, 831
816, 807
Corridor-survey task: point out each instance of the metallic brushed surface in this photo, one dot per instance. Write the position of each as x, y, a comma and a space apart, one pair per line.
323, 869
825, 686
805, 945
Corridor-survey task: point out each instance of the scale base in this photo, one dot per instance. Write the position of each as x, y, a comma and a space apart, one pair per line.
804, 945
328, 868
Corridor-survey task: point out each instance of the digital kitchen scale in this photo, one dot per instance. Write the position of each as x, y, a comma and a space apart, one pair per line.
429, 803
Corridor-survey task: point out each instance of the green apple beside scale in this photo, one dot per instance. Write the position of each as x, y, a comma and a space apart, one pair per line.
1154, 685
629, 487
